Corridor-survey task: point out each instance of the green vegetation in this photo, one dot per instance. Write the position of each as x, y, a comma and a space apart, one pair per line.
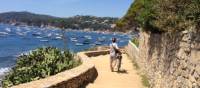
130, 17
135, 64
163, 15
135, 41
38, 64
145, 81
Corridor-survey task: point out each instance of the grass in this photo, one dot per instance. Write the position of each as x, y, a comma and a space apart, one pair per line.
135, 64
145, 80
135, 41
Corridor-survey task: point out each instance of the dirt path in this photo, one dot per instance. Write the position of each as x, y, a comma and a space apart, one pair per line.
107, 79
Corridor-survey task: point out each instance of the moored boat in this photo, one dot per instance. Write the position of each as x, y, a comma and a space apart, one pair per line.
39, 37
36, 34
98, 43
8, 29
3, 33
88, 37
44, 40
86, 41
58, 37
74, 40
79, 44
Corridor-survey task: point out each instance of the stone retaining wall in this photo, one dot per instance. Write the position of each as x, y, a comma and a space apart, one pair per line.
170, 60
132, 50
77, 77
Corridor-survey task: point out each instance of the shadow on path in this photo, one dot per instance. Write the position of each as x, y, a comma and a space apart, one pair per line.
123, 71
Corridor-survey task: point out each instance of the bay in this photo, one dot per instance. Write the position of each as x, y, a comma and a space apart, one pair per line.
15, 40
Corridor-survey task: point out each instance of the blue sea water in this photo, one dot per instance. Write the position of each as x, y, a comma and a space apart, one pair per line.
16, 40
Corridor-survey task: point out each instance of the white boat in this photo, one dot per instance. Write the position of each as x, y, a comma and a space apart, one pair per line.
21, 34
44, 40
79, 44
3, 33
98, 43
58, 37
18, 29
57, 34
73, 40
49, 35
88, 37
36, 34
38, 37
8, 29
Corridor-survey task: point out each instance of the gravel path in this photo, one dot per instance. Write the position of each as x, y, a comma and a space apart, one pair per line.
127, 78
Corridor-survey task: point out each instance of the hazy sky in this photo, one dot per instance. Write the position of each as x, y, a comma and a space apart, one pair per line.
66, 8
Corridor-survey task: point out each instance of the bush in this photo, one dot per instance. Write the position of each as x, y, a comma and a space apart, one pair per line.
39, 63
145, 81
164, 15
136, 41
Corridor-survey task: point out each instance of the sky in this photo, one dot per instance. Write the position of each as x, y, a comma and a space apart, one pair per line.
67, 8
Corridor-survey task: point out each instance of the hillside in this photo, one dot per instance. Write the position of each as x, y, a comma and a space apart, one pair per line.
162, 15
168, 50
76, 22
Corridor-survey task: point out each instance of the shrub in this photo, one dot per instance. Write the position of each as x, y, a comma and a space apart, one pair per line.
145, 81
135, 41
164, 15
39, 63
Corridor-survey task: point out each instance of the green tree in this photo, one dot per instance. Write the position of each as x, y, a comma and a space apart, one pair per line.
163, 15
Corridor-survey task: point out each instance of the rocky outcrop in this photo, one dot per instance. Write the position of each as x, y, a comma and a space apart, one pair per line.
171, 60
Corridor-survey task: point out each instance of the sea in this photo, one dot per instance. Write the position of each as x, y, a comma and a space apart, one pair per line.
15, 40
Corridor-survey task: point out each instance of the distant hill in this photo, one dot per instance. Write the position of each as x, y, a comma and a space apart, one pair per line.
76, 22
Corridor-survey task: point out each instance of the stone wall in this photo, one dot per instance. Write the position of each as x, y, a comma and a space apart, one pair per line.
170, 60
77, 77
96, 53
132, 50
103, 50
